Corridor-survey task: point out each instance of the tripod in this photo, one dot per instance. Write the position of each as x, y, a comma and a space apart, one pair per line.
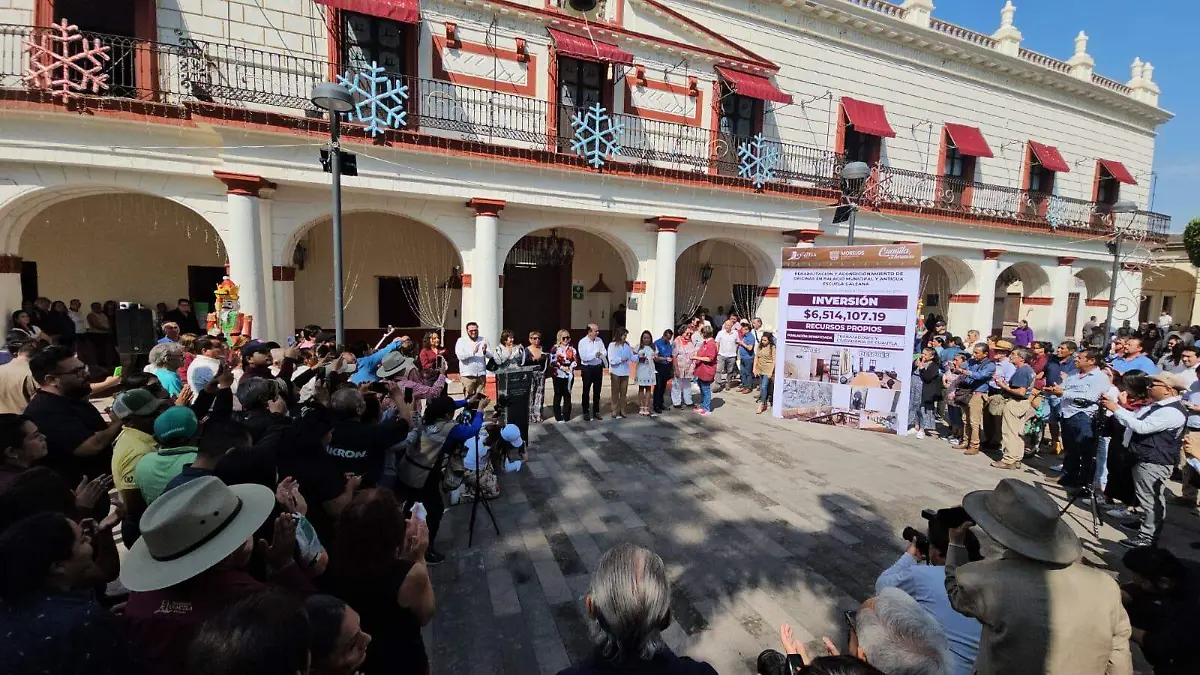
1093, 488
479, 498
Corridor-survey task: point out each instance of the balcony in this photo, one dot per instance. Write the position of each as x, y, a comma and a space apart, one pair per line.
225, 82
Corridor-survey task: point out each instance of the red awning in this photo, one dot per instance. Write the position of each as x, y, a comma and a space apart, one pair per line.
1118, 171
1049, 156
567, 44
868, 118
754, 86
968, 140
404, 11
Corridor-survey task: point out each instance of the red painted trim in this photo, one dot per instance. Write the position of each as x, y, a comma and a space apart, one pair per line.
771, 292
244, 184
1131, 267
452, 38
333, 43
1026, 166
552, 98
637, 287
440, 73
804, 236
714, 128
695, 120
43, 13
1096, 303
667, 223
466, 280
487, 207
619, 19
280, 273
1096, 182
992, 253
1040, 301
145, 60
964, 299
1066, 261
500, 281
10, 264
709, 32
839, 139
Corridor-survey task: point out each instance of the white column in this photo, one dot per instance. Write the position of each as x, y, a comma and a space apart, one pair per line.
243, 245
985, 272
485, 268
665, 254
1062, 281
271, 328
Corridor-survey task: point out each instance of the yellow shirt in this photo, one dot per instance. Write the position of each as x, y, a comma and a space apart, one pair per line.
131, 445
16, 386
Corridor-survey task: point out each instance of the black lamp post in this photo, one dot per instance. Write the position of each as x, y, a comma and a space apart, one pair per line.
854, 175
1123, 206
335, 99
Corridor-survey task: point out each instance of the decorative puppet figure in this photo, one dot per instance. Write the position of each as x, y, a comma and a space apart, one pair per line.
227, 320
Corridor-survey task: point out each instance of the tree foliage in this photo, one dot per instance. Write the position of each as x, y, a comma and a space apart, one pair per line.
1191, 241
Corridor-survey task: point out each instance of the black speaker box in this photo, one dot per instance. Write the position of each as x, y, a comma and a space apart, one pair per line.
136, 333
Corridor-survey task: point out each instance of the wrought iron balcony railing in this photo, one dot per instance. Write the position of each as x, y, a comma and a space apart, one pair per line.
68, 64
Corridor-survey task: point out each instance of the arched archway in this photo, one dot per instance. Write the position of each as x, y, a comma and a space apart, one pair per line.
721, 274
98, 245
1169, 289
942, 279
1087, 301
397, 271
1021, 290
566, 277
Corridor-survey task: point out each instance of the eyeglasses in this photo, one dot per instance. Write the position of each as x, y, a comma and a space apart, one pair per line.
81, 371
535, 338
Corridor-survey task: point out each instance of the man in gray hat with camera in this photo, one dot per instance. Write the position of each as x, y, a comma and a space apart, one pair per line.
1042, 610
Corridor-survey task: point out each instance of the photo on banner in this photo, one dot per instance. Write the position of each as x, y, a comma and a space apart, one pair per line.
848, 318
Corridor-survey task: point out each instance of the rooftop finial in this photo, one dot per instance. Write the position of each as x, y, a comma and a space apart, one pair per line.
1006, 14
1081, 43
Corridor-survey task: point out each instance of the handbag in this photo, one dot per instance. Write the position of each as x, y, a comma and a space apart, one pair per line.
962, 397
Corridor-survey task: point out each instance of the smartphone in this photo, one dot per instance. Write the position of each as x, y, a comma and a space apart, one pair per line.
118, 370
851, 619
418, 510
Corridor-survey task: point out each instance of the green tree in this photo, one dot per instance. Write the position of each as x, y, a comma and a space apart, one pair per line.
1191, 241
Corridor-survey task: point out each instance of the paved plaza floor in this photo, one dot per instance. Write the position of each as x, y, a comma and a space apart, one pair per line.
759, 521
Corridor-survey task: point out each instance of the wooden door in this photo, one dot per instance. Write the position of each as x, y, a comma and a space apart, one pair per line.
1072, 313
533, 300
396, 295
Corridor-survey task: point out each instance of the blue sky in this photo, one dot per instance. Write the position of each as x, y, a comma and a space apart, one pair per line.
1160, 31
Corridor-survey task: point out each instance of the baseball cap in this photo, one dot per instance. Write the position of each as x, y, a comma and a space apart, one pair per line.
254, 347
177, 423
1171, 380
512, 435
134, 402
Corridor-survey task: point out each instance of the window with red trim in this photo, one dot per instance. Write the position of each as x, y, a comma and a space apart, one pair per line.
130, 64
958, 172
741, 118
860, 147
581, 84
369, 39
1108, 188
1039, 186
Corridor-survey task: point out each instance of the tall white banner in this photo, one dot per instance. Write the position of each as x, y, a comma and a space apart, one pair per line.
847, 316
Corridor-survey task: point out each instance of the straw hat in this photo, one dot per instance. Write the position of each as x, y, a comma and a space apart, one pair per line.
191, 528
1025, 519
394, 363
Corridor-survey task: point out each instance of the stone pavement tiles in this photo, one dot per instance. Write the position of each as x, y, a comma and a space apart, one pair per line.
759, 521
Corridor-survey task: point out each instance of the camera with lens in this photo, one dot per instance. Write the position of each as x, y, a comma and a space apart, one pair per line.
948, 518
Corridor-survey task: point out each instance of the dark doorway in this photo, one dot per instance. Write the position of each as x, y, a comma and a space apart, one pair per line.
115, 17
534, 300
395, 308
29, 281
1072, 313
202, 283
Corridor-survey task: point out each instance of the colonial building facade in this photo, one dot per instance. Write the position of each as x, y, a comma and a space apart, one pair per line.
527, 165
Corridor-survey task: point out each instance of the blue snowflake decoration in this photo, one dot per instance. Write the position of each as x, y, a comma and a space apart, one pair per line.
757, 161
1056, 212
597, 137
381, 100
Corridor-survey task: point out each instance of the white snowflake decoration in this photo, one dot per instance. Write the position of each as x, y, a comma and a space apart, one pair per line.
757, 160
65, 62
1056, 212
597, 137
382, 101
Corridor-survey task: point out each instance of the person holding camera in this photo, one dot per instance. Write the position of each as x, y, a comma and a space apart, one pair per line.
926, 583
1042, 610
1079, 397
419, 472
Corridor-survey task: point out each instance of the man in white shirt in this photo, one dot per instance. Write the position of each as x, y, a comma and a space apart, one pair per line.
591, 365
1189, 359
1154, 436
727, 342
78, 317
1165, 321
210, 352
472, 353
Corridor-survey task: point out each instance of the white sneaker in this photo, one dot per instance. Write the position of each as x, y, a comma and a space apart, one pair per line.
920, 433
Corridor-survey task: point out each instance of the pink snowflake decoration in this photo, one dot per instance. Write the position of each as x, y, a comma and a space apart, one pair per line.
65, 62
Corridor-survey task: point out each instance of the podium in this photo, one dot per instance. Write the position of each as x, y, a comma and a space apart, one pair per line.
516, 385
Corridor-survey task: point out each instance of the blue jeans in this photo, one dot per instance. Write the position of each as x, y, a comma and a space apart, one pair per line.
766, 393
705, 395
1079, 444
745, 365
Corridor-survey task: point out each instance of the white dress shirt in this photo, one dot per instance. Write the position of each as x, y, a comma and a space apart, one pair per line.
591, 351
727, 342
1153, 418
472, 356
619, 356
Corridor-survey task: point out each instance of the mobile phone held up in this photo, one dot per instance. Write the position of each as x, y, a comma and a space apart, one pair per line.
418, 511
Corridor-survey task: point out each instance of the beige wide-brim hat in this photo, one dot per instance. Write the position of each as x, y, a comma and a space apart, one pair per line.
394, 363
1024, 518
191, 528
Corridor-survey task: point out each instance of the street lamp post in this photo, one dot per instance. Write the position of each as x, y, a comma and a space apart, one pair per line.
856, 172
1123, 206
335, 99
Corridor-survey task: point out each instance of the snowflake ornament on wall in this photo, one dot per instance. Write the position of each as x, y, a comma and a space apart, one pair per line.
1056, 212
65, 62
381, 101
597, 137
757, 161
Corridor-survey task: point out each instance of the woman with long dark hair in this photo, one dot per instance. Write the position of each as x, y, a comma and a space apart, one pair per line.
431, 351
22, 323
377, 566
508, 354
60, 326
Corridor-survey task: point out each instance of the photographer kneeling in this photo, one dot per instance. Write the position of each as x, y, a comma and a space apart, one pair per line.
927, 585
419, 473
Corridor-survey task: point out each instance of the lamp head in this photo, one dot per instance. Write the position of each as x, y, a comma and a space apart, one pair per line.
856, 171
1124, 206
583, 5
332, 97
